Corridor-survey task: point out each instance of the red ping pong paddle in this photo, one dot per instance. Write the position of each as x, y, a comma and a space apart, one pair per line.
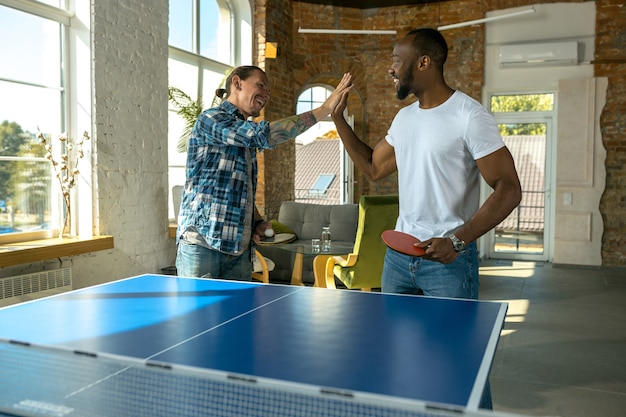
402, 242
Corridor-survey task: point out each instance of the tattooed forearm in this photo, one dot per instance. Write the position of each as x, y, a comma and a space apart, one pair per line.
285, 129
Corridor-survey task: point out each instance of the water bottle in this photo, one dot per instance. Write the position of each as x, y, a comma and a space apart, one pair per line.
326, 241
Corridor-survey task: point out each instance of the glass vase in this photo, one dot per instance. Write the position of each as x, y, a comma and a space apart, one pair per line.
65, 229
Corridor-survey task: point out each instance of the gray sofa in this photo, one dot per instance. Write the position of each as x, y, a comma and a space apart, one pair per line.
306, 220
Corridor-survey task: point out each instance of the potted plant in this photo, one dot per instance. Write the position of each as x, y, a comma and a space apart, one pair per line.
188, 109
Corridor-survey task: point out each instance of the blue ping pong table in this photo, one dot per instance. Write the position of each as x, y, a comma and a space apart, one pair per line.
163, 345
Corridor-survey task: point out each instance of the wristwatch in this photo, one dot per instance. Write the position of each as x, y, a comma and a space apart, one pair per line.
458, 244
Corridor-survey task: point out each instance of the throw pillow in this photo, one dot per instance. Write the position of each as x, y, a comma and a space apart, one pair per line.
280, 227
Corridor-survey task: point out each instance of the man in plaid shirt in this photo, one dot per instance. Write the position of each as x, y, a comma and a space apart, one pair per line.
218, 219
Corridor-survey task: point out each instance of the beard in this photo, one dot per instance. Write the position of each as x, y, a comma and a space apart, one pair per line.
403, 91
404, 84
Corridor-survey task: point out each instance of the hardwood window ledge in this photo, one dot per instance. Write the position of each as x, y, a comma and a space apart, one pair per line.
44, 249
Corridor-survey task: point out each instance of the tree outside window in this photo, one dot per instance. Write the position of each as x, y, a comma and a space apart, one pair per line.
33, 92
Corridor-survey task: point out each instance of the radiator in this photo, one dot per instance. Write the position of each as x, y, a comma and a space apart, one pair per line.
34, 283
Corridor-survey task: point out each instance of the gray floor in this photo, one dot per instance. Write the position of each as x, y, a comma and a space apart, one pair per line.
563, 348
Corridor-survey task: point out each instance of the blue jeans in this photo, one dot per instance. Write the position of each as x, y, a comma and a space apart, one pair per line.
403, 274
198, 261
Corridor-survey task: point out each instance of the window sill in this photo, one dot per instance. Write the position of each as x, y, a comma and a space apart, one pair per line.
44, 249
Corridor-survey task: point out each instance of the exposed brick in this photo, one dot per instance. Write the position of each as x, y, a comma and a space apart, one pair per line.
310, 58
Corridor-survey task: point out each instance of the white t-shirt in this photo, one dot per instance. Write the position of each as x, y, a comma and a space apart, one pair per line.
436, 149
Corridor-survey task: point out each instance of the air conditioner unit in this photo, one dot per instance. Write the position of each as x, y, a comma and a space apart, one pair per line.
546, 54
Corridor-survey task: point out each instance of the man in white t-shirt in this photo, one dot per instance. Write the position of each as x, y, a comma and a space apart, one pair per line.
440, 146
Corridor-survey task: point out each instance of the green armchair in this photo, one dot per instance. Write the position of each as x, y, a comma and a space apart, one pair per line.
362, 269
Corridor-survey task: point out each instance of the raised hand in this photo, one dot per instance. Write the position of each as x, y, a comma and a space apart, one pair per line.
341, 105
343, 88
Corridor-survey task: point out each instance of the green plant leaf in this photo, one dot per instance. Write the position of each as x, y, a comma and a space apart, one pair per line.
189, 109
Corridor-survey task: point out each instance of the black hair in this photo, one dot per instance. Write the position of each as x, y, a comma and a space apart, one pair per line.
242, 72
430, 42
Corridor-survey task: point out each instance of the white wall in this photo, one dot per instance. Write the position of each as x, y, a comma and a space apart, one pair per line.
581, 172
577, 145
549, 23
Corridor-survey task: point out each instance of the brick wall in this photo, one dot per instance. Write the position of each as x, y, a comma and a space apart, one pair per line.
277, 167
310, 58
610, 58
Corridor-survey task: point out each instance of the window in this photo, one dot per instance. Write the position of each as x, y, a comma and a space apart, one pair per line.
207, 39
321, 185
319, 155
522, 102
308, 100
518, 103
203, 28
311, 98
33, 91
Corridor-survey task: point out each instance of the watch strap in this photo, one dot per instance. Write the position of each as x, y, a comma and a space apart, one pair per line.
458, 244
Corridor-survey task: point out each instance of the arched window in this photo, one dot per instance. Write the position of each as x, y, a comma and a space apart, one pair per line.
323, 168
309, 99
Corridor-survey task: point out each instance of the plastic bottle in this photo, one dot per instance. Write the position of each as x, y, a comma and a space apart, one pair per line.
326, 240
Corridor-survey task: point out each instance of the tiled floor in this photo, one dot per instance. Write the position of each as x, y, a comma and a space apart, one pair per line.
563, 348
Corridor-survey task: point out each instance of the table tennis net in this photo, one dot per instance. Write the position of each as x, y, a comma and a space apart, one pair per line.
41, 381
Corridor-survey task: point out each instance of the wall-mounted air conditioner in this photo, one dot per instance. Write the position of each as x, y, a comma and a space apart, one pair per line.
546, 54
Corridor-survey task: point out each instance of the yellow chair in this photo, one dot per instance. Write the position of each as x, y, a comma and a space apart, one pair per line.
363, 267
261, 267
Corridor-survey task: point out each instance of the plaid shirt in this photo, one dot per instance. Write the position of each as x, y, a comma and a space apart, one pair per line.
220, 188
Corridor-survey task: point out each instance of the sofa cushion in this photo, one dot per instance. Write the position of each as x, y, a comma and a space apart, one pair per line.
306, 220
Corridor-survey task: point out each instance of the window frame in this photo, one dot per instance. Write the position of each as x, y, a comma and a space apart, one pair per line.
241, 41
63, 17
535, 116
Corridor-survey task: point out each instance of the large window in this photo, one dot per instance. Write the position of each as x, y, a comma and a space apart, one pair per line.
203, 28
207, 39
33, 92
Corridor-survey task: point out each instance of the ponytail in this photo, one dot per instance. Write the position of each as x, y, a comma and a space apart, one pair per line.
221, 93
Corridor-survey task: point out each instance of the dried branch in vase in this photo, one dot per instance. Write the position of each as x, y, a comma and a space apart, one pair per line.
65, 169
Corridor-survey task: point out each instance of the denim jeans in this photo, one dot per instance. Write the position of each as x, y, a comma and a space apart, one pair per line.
403, 274
198, 261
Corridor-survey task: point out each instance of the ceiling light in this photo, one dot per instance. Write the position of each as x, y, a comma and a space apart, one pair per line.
487, 19
348, 31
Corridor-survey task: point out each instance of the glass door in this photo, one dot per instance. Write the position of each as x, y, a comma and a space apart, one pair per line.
526, 129
523, 232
